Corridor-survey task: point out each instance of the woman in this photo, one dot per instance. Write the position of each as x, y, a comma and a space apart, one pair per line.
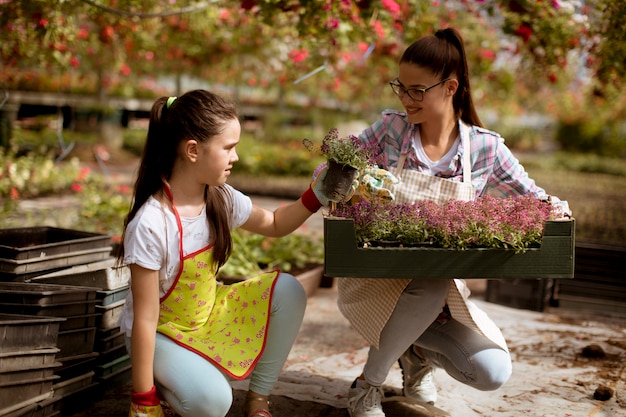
439, 150
187, 336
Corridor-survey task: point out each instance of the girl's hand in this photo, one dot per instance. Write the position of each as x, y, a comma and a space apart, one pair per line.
146, 404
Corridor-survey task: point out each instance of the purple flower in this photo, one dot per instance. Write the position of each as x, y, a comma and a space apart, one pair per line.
510, 223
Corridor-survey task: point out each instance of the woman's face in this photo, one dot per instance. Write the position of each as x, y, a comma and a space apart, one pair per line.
217, 156
434, 101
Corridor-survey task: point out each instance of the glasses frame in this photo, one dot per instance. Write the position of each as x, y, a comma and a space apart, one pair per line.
401, 90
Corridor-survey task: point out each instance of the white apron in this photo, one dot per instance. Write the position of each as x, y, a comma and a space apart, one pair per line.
368, 302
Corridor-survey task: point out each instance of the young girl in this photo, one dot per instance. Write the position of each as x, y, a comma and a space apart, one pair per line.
440, 151
186, 334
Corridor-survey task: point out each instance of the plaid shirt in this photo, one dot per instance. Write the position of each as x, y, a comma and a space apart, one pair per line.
493, 165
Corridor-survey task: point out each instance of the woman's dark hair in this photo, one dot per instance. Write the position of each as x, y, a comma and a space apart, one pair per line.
444, 54
199, 115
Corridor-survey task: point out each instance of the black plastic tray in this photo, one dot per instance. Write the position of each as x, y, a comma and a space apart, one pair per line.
31, 242
24, 333
28, 293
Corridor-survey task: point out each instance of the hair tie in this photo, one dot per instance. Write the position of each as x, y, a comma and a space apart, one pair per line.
170, 101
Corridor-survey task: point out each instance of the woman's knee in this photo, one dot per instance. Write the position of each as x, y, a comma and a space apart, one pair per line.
493, 369
435, 290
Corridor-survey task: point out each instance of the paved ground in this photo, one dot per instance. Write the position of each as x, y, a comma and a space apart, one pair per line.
552, 376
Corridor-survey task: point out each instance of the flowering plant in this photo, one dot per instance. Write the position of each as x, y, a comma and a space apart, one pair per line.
348, 150
507, 223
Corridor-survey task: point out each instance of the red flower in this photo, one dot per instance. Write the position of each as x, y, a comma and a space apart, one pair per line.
487, 54
298, 55
83, 33
77, 188
14, 193
125, 70
84, 172
74, 62
524, 31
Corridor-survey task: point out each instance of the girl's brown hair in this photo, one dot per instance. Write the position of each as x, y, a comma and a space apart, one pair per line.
199, 115
444, 54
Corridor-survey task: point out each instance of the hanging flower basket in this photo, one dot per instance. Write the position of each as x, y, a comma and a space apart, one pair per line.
490, 238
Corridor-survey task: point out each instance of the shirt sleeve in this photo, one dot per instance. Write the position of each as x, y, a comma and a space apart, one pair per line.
242, 207
144, 243
508, 176
392, 134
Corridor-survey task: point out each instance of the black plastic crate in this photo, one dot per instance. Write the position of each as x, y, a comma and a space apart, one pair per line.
527, 294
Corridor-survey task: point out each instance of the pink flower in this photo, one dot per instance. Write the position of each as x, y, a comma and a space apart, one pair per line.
487, 54
298, 55
392, 7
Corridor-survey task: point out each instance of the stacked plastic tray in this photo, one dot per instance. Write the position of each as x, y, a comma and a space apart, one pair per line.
110, 358
28, 352
30, 251
113, 359
75, 308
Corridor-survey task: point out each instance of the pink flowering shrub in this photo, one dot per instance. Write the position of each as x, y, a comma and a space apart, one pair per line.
507, 223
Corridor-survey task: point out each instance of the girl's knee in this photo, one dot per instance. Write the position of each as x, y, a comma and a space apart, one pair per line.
211, 403
289, 293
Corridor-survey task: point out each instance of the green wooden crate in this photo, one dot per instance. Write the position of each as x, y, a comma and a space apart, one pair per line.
343, 258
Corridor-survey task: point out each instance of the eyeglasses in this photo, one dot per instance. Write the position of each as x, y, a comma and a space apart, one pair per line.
415, 94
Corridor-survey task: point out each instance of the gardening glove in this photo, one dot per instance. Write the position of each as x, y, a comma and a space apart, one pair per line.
146, 404
372, 181
315, 197
560, 208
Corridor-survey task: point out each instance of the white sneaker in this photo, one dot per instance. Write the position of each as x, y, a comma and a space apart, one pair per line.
418, 378
364, 400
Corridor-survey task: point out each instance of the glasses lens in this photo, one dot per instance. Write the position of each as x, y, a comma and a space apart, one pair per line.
416, 95
396, 89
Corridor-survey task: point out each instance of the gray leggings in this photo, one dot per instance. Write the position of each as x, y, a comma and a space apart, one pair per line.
464, 354
193, 387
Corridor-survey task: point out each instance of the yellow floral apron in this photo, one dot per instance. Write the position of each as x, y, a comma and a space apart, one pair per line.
368, 302
225, 324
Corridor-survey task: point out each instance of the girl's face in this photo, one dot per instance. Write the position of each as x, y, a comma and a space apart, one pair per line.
434, 101
217, 156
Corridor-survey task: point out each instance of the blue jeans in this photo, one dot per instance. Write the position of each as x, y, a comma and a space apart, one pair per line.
464, 354
193, 387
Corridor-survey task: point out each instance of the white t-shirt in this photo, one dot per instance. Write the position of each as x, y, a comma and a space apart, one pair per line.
152, 241
434, 167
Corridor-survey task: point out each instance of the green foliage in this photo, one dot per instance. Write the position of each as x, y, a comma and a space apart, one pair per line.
134, 140
258, 157
589, 135
34, 175
252, 253
103, 204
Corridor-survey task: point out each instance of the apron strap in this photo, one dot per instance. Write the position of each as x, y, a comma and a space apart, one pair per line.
467, 163
400, 166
